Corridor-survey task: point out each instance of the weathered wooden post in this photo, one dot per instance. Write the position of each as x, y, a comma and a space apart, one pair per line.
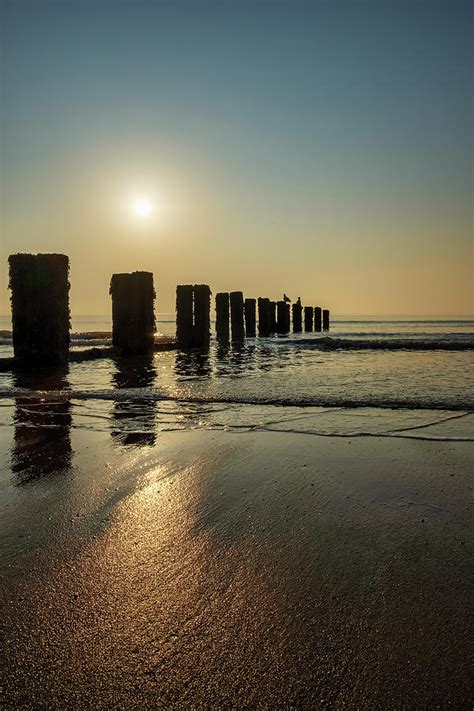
326, 319
308, 318
249, 309
40, 307
184, 315
222, 316
263, 317
202, 317
287, 318
237, 315
317, 318
133, 316
297, 310
273, 316
281, 317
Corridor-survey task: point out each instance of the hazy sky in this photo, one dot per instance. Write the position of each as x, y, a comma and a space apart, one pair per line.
323, 149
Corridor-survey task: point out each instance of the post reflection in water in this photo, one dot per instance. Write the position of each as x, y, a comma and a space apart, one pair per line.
42, 422
134, 415
242, 358
194, 363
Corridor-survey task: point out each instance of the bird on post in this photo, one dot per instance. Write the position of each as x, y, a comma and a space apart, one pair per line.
286, 299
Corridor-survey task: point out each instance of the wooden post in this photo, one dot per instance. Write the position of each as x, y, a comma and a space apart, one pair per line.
263, 317
222, 316
287, 318
317, 318
273, 316
202, 318
326, 319
133, 317
184, 315
308, 318
40, 307
237, 315
297, 310
283, 313
249, 308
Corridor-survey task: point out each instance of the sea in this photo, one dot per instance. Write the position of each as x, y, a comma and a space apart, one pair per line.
368, 376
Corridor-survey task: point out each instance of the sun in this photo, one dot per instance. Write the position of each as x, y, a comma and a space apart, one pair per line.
142, 207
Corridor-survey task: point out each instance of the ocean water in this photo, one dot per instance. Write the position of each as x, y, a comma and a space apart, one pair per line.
401, 377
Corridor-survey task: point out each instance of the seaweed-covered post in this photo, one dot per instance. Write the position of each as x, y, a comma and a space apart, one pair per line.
184, 315
263, 316
326, 319
317, 318
249, 310
237, 315
308, 318
40, 307
202, 318
297, 310
133, 315
222, 316
273, 316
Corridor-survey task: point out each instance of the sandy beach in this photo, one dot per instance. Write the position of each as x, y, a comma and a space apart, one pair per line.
222, 570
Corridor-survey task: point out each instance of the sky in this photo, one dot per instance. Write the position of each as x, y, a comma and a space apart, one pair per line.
322, 149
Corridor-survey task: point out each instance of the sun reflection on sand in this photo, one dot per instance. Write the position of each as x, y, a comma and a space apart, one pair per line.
259, 567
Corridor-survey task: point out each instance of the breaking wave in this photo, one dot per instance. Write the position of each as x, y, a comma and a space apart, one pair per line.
152, 395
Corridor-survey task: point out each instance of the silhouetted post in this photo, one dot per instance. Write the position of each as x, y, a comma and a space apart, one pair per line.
222, 316
133, 316
287, 318
249, 309
326, 319
282, 317
237, 315
297, 310
184, 315
317, 318
263, 317
308, 318
40, 307
273, 316
202, 316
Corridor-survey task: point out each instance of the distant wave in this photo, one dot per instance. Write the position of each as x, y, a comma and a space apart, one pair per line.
458, 335
328, 343
86, 338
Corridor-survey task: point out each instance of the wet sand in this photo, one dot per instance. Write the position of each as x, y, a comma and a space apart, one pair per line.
222, 570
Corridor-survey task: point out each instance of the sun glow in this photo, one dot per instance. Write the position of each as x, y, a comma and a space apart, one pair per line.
143, 207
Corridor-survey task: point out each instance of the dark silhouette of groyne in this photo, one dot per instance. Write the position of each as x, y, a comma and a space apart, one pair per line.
317, 318
193, 319
237, 315
41, 323
39, 286
297, 313
133, 313
222, 317
250, 322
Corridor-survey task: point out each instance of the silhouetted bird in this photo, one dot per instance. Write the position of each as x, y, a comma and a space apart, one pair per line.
286, 298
